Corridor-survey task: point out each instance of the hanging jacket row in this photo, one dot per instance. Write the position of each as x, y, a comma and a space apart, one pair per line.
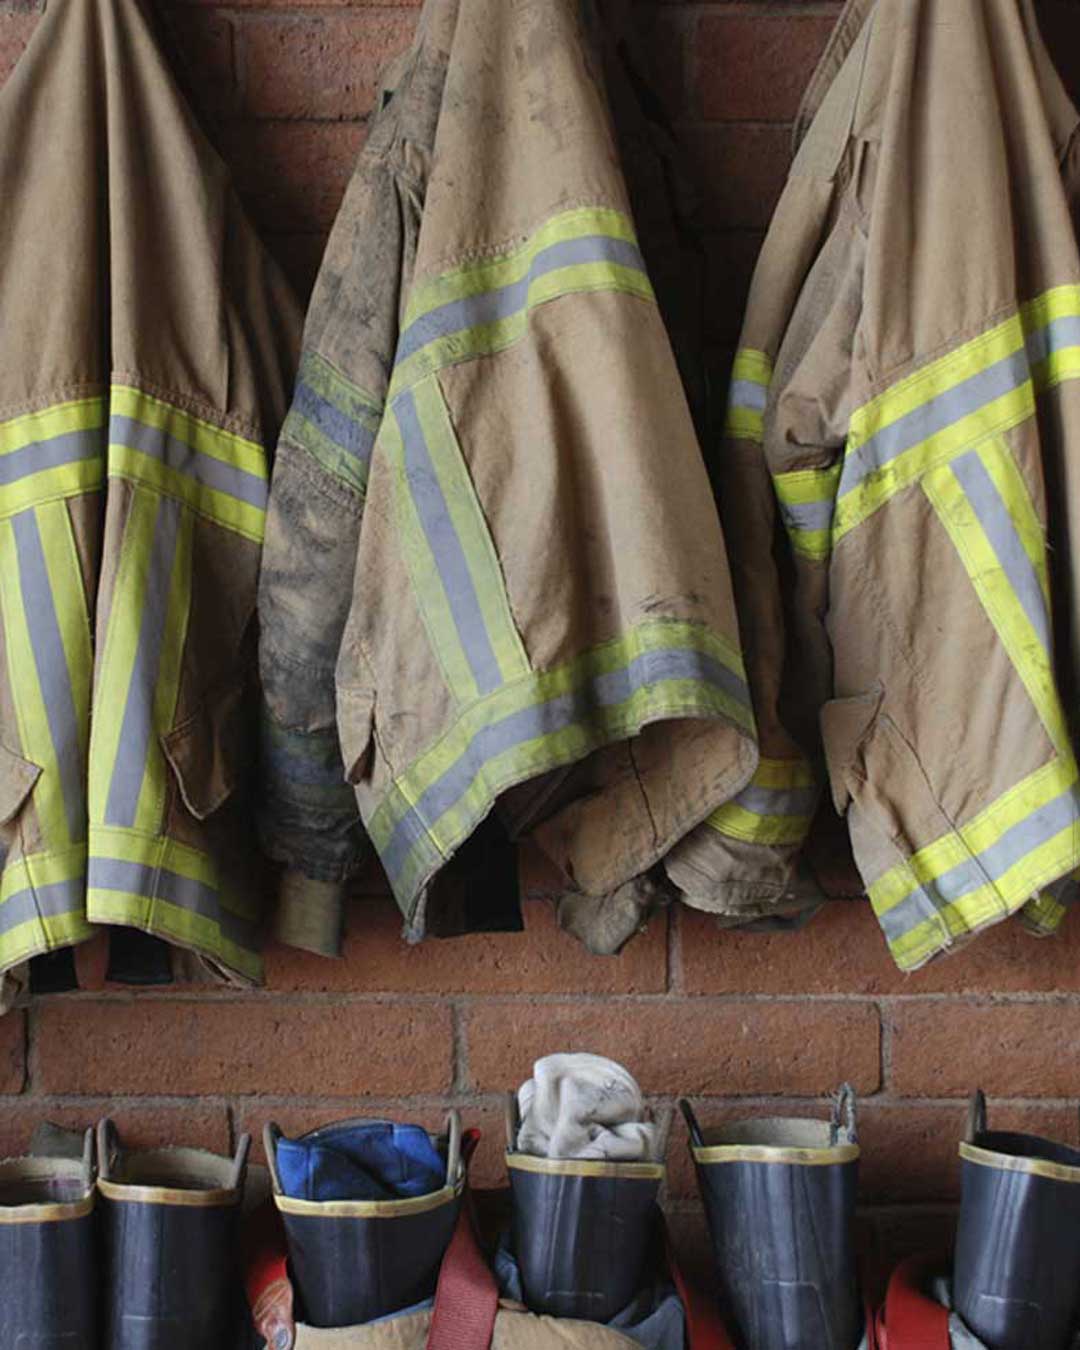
497, 601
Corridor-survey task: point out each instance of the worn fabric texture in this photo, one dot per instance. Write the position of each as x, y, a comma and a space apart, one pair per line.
495, 578
148, 346
515, 1329
584, 1106
900, 482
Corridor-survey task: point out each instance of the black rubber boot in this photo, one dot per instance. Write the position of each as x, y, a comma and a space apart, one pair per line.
48, 1253
353, 1261
1016, 1281
171, 1229
581, 1230
780, 1198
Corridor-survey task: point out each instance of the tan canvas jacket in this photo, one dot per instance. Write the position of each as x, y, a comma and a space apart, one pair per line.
147, 346
905, 409
490, 513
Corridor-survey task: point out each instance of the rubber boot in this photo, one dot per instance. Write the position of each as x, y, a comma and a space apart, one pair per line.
353, 1261
780, 1198
1016, 1280
581, 1230
171, 1234
48, 1253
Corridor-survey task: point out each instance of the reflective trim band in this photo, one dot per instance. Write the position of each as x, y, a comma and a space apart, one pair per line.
608, 1168
775, 808
121, 1193
748, 394
984, 506
807, 500
219, 475
172, 891
42, 904
984, 387
142, 656
334, 421
985, 870
458, 578
54, 625
657, 671
368, 1209
483, 307
712, 1154
58, 452
1009, 1162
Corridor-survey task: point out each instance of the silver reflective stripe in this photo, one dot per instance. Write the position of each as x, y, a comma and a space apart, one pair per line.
808, 516
346, 432
183, 458
990, 865
490, 306
993, 514
446, 549
747, 394
42, 902
137, 729
932, 417
778, 801
157, 883
545, 719
50, 660
69, 448
1055, 337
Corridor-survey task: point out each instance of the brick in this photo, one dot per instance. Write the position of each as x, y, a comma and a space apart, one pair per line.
487, 1169
684, 1046
299, 256
541, 960
292, 175
142, 1124
664, 38
754, 68
188, 1048
15, 32
948, 1048
740, 171
324, 67
12, 1053
310, 4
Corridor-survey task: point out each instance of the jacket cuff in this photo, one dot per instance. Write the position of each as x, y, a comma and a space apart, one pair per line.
310, 914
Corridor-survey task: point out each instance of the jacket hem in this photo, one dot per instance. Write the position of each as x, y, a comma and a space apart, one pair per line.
310, 914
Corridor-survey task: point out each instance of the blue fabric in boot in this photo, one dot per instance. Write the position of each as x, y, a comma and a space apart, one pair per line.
360, 1160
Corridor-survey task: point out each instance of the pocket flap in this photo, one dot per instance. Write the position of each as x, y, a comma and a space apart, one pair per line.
206, 750
17, 779
845, 724
356, 721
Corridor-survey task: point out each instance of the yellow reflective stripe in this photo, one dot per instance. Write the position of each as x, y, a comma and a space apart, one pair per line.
475, 278
775, 808
751, 375
471, 529
546, 720
31, 714
1028, 645
200, 435
83, 414
807, 501
42, 903
172, 890
424, 573
65, 480
220, 507
484, 307
68, 589
151, 802
989, 867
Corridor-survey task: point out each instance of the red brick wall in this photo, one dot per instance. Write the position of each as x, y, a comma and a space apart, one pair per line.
744, 1022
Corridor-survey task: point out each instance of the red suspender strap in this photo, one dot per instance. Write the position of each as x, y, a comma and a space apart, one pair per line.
467, 1297
913, 1320
266, 1278
704, 1329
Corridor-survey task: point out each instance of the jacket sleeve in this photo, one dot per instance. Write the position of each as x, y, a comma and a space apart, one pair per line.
789, 406
309, 818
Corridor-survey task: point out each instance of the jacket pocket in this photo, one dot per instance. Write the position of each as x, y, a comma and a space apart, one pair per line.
205, 752
356, 726
874, 769
17, 779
